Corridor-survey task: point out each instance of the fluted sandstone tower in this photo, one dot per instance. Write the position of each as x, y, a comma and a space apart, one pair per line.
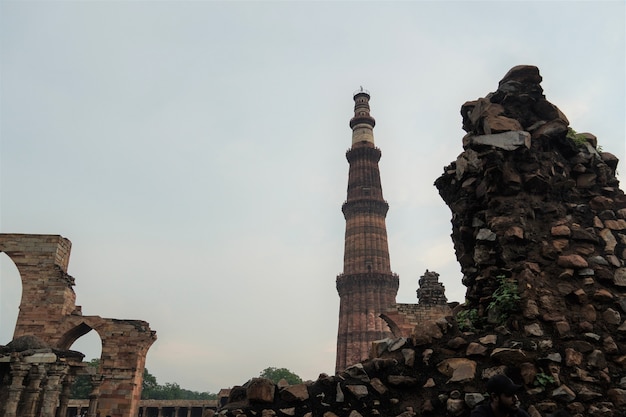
367, 286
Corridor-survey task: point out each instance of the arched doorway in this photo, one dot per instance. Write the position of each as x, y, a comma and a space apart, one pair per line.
89, 345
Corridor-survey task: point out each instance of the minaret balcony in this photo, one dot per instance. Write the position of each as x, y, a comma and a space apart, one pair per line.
367, 206
370, 153
362, 119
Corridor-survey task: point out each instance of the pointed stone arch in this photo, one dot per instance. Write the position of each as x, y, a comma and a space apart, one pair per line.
72, 335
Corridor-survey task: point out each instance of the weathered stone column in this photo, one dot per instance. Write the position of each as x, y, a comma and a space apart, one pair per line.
65, 395
160, 413
94, 396
18, 372
31, 397
52, 389
188, 411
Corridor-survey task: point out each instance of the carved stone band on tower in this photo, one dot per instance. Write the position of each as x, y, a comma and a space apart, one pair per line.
367, 287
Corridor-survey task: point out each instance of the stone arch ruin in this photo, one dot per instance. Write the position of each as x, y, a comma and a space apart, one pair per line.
36, 368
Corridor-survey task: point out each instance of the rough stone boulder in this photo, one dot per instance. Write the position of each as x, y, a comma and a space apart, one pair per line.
27, 342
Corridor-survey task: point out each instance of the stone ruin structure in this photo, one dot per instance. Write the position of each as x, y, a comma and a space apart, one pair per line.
157, 408
37, 368
539, 229
408, 319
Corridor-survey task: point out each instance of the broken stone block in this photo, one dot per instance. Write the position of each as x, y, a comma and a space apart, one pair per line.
508, 141
609, 240
596, 359
409, 357
401, 380
619, 278
603, 295
617, 397
378, 386
475, 349
572, 261
611, 316
528, 370
298, 392
359, 391
533, 329
509, 356
561, 230
260, 390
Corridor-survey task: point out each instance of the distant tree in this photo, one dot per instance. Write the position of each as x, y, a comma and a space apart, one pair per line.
151, 390
276, 374
170, 391
81, 388
149, 384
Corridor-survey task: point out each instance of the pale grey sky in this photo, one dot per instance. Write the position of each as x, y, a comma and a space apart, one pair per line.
193, 152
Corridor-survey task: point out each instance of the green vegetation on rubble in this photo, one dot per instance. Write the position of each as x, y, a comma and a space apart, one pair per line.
468, 320
579, 139
543, 380
505, 299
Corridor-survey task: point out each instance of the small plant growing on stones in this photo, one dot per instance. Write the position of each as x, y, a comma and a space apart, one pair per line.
578, 138
543, 380
468, 320
504, 301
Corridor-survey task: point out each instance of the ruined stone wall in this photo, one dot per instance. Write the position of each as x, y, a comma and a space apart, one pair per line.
42, 261
48, 312
420, 313
538, 225
406, 320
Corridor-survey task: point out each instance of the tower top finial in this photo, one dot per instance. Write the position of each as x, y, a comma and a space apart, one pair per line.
361, 90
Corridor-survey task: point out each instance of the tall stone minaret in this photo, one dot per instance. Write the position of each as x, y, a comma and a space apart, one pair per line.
367, 286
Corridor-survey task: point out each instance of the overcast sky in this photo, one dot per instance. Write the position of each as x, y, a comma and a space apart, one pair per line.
194, 153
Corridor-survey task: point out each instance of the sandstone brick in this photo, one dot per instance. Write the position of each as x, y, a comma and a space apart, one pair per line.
572, 261
562, 328
603, 295
611, 316
619, 224
588, 312
561, 230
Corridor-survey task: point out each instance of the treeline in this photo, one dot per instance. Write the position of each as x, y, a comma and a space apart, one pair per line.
151, 389
170, 391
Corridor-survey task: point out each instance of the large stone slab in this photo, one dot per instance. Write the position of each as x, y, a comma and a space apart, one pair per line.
508, 141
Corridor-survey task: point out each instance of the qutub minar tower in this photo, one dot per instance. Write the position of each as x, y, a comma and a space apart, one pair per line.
367, 286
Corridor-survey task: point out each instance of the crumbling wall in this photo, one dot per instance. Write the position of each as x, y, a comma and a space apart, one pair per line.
48, 311
407, 320
539, 229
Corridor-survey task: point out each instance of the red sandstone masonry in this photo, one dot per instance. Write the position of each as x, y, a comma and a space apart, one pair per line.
367, 286
48, 311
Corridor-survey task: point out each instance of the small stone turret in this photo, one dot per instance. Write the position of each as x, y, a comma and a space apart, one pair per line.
431, 292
